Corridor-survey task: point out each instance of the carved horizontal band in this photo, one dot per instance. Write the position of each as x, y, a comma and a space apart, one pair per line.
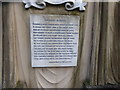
69, 4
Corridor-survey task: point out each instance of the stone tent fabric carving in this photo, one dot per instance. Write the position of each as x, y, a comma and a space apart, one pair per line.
98, 55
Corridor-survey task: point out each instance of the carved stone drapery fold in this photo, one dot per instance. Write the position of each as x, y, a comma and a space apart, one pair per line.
69, 4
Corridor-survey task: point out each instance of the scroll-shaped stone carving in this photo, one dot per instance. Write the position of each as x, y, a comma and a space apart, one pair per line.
69, 4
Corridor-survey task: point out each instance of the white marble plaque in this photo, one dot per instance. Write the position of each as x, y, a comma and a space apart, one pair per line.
54, 40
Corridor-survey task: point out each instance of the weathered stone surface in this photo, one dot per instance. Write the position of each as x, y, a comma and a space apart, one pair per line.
98, 57
17, 62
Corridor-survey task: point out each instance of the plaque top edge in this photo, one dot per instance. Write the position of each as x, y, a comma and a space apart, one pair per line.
52, 15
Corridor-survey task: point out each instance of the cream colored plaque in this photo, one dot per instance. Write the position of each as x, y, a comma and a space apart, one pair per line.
54, 40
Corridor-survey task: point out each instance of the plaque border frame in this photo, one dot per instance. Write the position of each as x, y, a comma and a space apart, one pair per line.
31, 42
